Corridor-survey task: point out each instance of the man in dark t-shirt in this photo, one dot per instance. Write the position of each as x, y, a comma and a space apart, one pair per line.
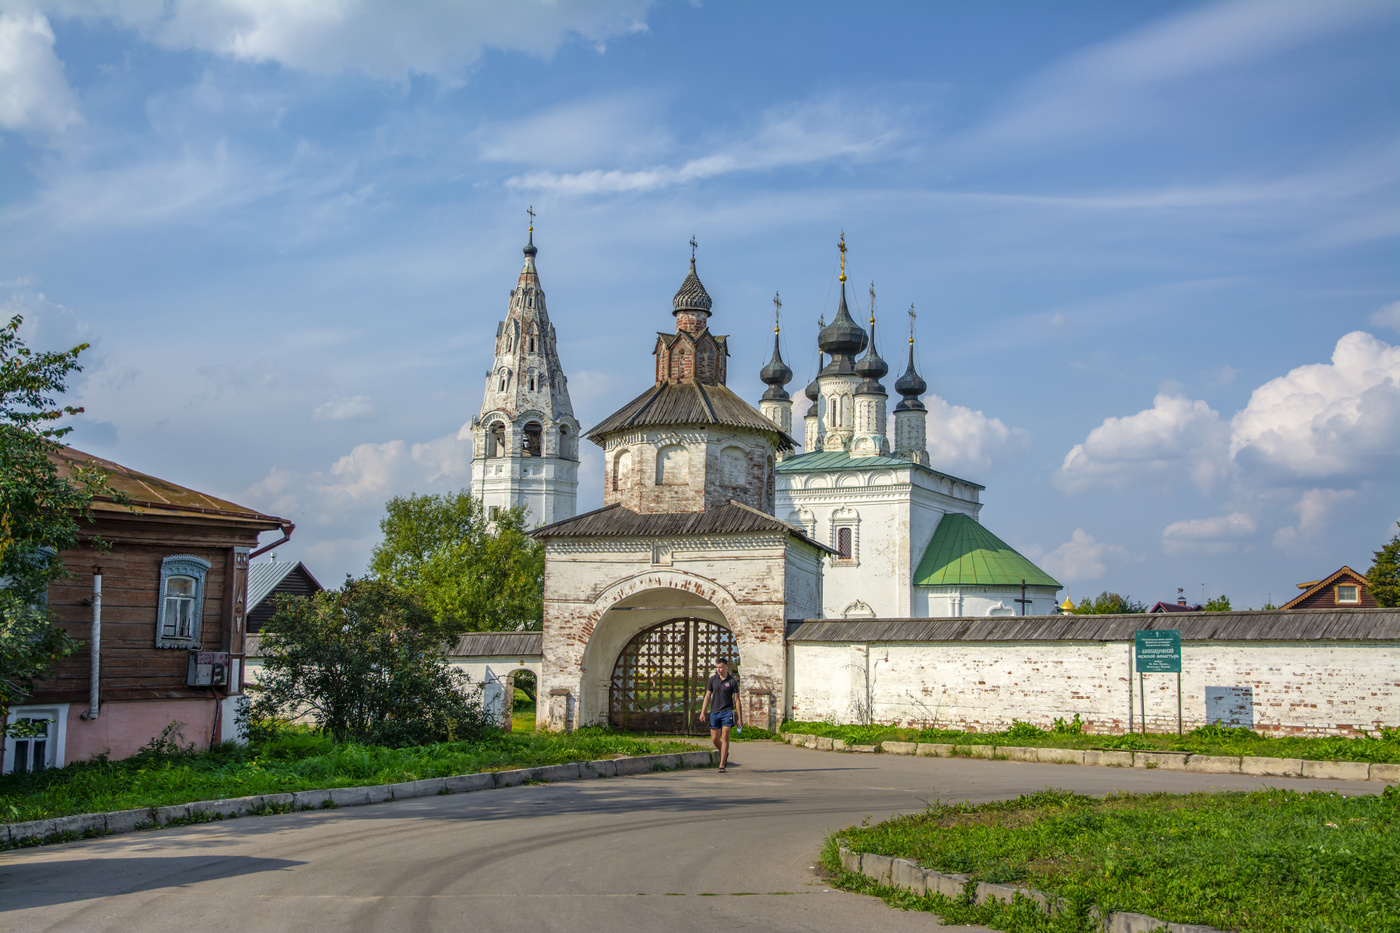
721, 699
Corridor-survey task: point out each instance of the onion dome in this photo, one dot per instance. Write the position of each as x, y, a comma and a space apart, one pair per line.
910, 385
692, 295
871, 368
843, 337
530, 249
776, 375
813, 391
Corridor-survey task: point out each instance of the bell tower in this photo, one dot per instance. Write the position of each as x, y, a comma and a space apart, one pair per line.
525, 439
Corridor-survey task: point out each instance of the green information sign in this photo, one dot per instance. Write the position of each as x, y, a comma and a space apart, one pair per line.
1158, 652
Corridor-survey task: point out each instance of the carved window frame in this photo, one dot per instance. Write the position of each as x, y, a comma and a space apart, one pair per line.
847, 519
181, 565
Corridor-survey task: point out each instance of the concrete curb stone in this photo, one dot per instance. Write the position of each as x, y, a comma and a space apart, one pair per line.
1390, 773
1060, 756
1165, 761
1108, 758
124, 821
1018, 753
934, 750
1337, 770
1213, 764
824, 743
909, 876
900, 748
864, 749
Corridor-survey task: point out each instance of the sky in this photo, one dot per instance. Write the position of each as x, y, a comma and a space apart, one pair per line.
1152, 247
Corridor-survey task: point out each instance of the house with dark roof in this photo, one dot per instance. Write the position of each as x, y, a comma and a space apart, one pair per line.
1341, 589
272, 578
156, 592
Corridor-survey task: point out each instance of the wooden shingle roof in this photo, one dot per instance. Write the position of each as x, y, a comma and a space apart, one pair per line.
614, 521
689, 403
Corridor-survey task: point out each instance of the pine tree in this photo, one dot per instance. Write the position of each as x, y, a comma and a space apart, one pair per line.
1383, 579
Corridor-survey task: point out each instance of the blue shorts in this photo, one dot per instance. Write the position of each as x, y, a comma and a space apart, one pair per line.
724, 717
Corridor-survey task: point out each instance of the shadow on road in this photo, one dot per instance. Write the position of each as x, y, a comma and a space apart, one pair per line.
43, 884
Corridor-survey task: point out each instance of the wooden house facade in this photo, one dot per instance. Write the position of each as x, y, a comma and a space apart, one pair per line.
268, 580
1344, 589
155, 592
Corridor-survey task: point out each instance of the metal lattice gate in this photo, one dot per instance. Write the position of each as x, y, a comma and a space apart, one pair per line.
658, 682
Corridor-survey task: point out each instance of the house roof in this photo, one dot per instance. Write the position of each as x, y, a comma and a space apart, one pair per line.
150, 495
1173, 607
1270, 625
833, 461
264, 576
963, 552
471, 645
615, 521
1310, 588
690, 403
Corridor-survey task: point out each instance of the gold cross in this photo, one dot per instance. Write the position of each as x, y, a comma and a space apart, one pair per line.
872, 305
842, 247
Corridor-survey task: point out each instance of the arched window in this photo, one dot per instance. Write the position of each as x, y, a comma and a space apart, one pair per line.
532, 343
673, 466
566, 441
532, 380
622, 466
734, 466
496, 440
843, 543
505, 381
533, 435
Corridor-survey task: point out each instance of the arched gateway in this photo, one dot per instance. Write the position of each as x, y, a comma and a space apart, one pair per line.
658, 682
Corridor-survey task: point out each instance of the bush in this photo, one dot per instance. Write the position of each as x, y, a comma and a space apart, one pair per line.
367, 663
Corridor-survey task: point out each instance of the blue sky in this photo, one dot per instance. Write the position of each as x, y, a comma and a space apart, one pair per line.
1152, 246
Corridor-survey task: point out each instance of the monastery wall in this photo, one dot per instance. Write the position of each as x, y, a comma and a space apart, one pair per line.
1304, 688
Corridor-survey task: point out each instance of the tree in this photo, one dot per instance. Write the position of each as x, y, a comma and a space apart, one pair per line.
39, 508
473, 575
1383, 579
367, 662
1219, 604
1108, 603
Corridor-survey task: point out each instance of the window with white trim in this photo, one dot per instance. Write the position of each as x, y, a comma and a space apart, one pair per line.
1348, 594
181, 601
39, 745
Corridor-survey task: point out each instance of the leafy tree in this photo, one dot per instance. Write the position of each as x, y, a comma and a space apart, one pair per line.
472, 574
1108, 603
39, 508
1383, 579
1219, 604
367, 662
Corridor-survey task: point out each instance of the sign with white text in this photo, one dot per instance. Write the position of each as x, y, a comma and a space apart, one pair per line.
1158, 651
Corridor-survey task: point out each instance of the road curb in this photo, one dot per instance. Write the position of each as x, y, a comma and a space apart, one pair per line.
1388, 772
84, 825
907, 875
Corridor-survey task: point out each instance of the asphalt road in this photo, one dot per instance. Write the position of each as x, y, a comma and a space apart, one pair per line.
693, 850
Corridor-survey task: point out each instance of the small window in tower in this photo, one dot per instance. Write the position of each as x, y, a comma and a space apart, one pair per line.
494, 513
532, 383
532, 344
843, 543
622, 465
505, 380
533, 437
496, 440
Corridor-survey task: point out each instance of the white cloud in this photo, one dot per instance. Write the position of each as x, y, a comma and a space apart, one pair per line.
1389, 316
615, 128
802, 134
1314, 509
963, 440
1080, 558
340, 408
383, 40
1174, 439
1212, 535
1326, 420
34, 92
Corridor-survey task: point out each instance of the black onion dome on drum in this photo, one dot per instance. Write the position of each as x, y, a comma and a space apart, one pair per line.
871, 368
530, 249
843, 336
910, 385
776, 375
692, 295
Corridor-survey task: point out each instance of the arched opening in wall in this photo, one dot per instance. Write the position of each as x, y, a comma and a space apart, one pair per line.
532, 382
533, 444
659, 679
843, 543
521, 696
496, 440
673, 466
532, 343
622, 465
504, 381
678, 364
566, 442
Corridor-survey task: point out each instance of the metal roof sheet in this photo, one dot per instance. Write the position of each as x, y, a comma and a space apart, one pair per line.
1270, 625
963, 552
833, 461
614, 521
689, 403
263, 577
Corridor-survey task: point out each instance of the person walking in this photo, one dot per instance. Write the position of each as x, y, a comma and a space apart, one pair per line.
721, 697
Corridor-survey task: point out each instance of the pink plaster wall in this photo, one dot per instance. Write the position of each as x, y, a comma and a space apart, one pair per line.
123, 726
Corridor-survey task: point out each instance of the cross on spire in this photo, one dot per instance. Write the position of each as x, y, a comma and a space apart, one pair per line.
777, 313
531, 211
693, 244
842, 247
912, 315
872, 304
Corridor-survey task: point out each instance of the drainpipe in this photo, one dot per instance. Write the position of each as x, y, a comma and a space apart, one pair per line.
287, 529
95, 643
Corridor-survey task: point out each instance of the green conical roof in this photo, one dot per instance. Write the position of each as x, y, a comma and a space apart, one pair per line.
963, 552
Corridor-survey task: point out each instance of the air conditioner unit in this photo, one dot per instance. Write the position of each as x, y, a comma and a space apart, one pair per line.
208, 669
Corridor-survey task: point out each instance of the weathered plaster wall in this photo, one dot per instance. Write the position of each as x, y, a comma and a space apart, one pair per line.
687, 469
1305, 688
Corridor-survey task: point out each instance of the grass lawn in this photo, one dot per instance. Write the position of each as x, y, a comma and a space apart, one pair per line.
1263, 862
293, 759
1381, 746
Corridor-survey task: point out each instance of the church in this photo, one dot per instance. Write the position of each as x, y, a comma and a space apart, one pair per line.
717, 533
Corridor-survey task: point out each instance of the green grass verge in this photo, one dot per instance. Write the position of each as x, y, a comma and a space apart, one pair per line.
291, 760
1263, 862
1380, 746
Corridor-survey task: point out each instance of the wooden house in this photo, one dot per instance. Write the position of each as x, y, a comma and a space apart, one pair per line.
155, 592
1344, 589
272, 578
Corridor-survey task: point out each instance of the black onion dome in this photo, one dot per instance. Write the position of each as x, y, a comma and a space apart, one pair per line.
871, 368
910, 385
843, 336
692, 295
530, 249
776, 375
813, 391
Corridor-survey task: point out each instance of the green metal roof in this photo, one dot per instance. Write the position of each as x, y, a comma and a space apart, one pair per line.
833, 461
963, 552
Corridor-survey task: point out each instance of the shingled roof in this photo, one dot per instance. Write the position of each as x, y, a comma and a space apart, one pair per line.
689, 403
614, 521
